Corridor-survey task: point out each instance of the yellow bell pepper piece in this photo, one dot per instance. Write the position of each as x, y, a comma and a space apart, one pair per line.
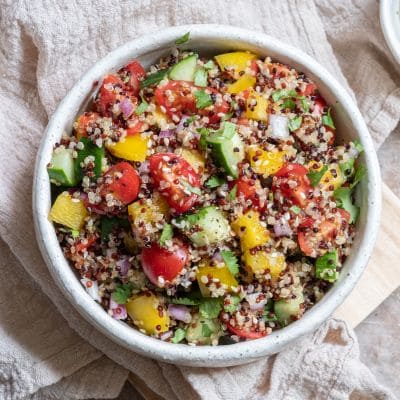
160, 119
265, 162
243, 83
250, 230
260, 261
131, 148
237, 61
257, 106
68, 211
222, 273
331, 179
195, 159
145, 314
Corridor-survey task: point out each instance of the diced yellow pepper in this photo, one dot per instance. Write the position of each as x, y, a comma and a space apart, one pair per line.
250, 230
265, 162
257, 107
68, 211
261, 261
237, 61
131, 148
243, 83
332, 178
222, 273
195, 159
159, 118
143, 310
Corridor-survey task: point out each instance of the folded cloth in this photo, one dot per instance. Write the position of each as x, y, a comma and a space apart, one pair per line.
45, 46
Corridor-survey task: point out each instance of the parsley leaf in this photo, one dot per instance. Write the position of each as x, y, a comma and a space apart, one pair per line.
190, 119
166, 234
232, 193
305, 105
230, 261
179, 335
186, 301
183, 39
200, 77
283, 94
227, 116
359, 147
315, 176
203, 99
122, 293
361, 171
74, 233
204, 133
205, 330
343, 199
190, 188
295, 123
142, 107
347, 167
210, 307
295, 209
231, 307
288, 103
325, 266
214, 181
327, 119
155, 78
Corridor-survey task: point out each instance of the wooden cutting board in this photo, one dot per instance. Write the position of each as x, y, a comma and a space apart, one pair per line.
380, 279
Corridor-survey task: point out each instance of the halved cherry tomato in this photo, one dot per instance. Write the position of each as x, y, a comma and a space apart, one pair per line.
135, 126
122, 181
85, 121
293, 183
246, 334
319, 106
310, 89
159, 262
175, 178
212, 114
247, 188
133, 72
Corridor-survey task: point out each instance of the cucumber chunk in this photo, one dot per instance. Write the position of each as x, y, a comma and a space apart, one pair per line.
185, 69
202, 330
227, 149
90, 149
207, 226
286, 309
61, 168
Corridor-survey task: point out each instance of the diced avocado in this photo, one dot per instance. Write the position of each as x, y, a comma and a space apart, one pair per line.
207, 226
184, 70
89, 149
228, 149
202, 330
61, 168
286, 309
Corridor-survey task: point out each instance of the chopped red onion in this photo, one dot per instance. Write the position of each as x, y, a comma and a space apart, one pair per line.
166, 134
118, 310
124, 265
252, 300
166, 335
179, 312
279, 126
144, 167
126, 107
92, 288
217, 256
282, 228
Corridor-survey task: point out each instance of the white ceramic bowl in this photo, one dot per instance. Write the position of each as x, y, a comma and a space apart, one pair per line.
211, 39
389, 11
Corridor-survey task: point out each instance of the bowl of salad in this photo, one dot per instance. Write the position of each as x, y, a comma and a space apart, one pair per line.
206, 195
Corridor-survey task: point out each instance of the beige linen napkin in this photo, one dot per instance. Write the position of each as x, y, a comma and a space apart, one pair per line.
44, 47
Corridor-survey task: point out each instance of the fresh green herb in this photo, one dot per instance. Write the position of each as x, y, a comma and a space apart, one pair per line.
305, 105
75, 234
203, 99
204, 133
155, 78
315, 176
325, 266
214, 181
269, 317
186, 301
343, 199
361, 171
210, 307
109, 224
232, 194
200, 77
166, 234
269, 306
209, 64
227, 116
205, 330
231, 307
179, 335
295, 123
142, 107
122, 293
190, 119
193, 219
347, 167
295, 209
231, 261
190, 188
359, 147
288, 103
327, 119
183, 39
283, 94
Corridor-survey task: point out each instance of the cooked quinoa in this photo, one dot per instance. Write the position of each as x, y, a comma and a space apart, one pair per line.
206, 201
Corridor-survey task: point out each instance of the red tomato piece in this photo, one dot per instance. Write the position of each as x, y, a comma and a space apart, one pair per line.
91, 240
212, 115
159, 262
246, 334
135, 126
175, 179
247, 188
133, 72
278, 70
85, 121
319, 106
293, 183
122, 181
310, 89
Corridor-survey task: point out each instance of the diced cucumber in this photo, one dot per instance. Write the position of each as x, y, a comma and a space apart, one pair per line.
61, 168
202, 330
90, 149
228, 149
207, 226
285, 309
185, 69
200, 77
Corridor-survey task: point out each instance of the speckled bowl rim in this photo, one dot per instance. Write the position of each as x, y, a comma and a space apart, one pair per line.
389, 13
120, 332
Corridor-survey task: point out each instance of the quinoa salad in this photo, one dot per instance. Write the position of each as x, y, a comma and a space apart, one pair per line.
205, 201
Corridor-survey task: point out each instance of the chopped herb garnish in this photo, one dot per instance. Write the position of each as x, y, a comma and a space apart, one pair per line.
232, 193
295, 209
359, 147
204, 133
190, 188
227, 116
166, 234
205, 330
325, 266
75, 234
327, 119
179, 335
305, 105
210, 307
343, 199
214, 181
315, 176
283, 94
361, 171
295, 123
142, 107
203, 99
186, 301
183, 39
122, 293
231, 261
347, 167
155, 78
200, 77
231, 307
190, 119
288, 103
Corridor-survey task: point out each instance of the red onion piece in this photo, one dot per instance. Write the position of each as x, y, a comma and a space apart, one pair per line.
252, 300
166, 134
118, 310
92, 288
144, 167
217, 256
282, 228
124, 265
126, 107
166, 335
179, 312
279, 126
180, 126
